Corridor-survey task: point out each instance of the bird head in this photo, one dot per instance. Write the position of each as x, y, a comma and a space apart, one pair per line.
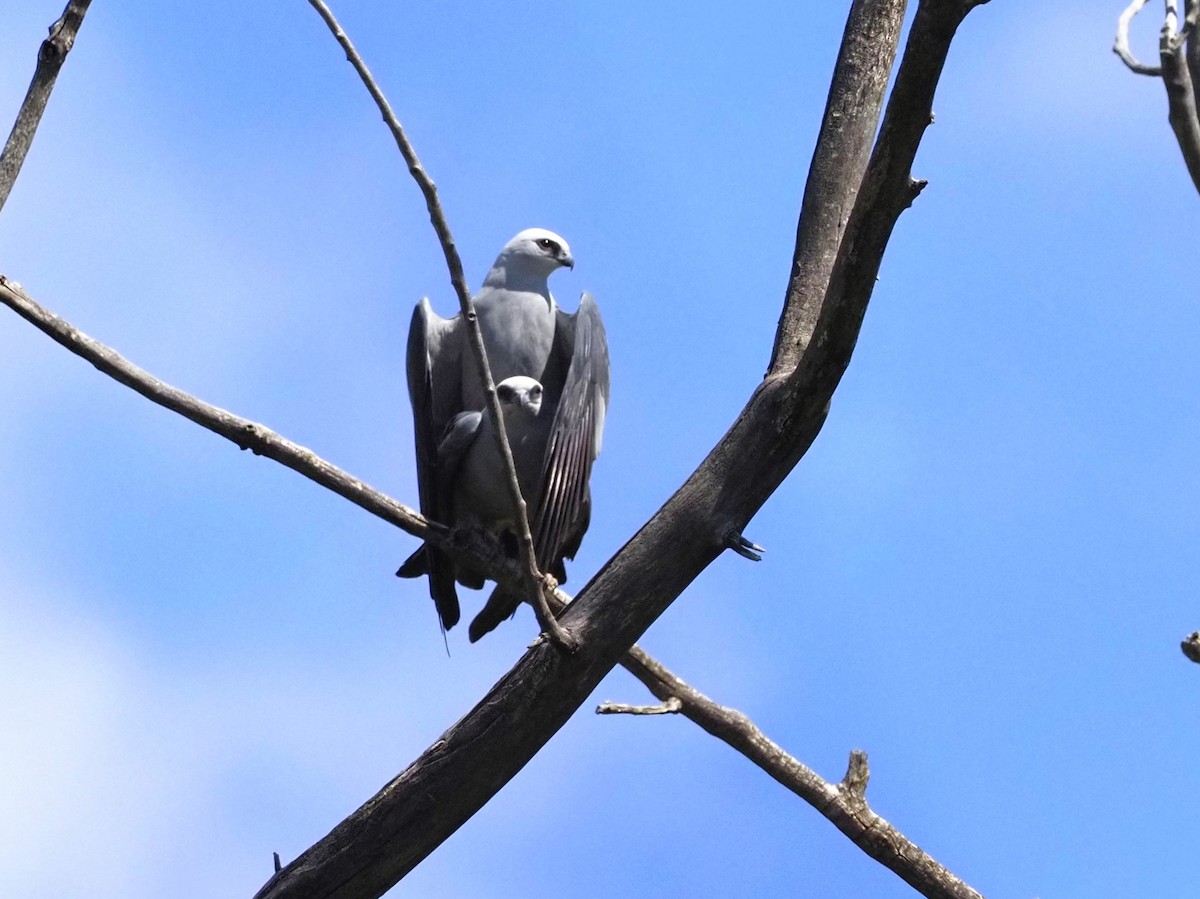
534, 254
519, 395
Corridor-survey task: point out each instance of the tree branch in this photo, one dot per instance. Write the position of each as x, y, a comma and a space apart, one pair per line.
836, 171
844, 804
377, 845
1179, 55
1121, 43
1181, 94
51, 56
534, 580
262, 441
676, 694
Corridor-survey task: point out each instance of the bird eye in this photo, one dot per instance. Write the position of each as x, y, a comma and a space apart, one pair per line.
547, 244
536, 393
504, 392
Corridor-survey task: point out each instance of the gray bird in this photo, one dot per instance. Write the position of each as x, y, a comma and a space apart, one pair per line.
471, 472
527, 335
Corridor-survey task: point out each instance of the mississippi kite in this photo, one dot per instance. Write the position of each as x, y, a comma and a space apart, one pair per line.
526, 334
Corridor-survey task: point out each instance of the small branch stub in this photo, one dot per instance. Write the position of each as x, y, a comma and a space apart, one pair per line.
857, 775
670, 706
1191, 647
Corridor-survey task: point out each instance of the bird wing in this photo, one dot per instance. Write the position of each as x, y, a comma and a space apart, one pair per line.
563, 510
435, 390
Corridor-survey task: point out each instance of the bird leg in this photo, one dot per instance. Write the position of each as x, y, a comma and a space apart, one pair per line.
558, 635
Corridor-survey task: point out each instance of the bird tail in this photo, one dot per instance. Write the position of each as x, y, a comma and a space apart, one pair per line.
427, 560
415, 565
500, 605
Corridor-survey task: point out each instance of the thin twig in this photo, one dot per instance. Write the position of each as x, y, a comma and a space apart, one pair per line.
51, 56
1121, 44
535, 581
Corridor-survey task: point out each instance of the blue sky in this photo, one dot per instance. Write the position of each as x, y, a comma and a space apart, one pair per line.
979, 574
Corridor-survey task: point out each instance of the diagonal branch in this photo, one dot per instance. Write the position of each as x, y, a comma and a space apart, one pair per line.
896, 852
533, 578
835, 173
376, 846
843, 803
245, 433
51, 56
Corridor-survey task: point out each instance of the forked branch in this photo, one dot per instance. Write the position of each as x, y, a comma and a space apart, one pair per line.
1179, 68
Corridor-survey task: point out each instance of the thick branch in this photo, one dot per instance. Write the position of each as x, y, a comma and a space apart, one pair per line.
844, 804
51, 56
532, 576
376, 846
836, 171
676, 694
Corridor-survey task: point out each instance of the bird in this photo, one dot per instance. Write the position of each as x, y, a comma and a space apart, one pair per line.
526, 334
471, 472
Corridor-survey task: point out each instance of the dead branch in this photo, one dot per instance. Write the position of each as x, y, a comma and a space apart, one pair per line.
261, 440
843, 803
1179, 68
51, 56
1121, 44
896, 852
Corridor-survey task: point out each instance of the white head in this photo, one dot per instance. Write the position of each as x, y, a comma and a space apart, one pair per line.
519, 395
529, 258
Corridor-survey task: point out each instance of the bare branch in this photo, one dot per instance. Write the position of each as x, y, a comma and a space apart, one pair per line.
51, 56
844, 804
376, 846
1121, 44
839, 161
668, 706
677, 696
535, 582
1181, 95
246, 434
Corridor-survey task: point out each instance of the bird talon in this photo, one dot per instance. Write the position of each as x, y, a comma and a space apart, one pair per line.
743, 547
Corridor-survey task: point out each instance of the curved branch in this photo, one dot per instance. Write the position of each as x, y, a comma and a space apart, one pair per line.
533, 578
51, 56
1121, 43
